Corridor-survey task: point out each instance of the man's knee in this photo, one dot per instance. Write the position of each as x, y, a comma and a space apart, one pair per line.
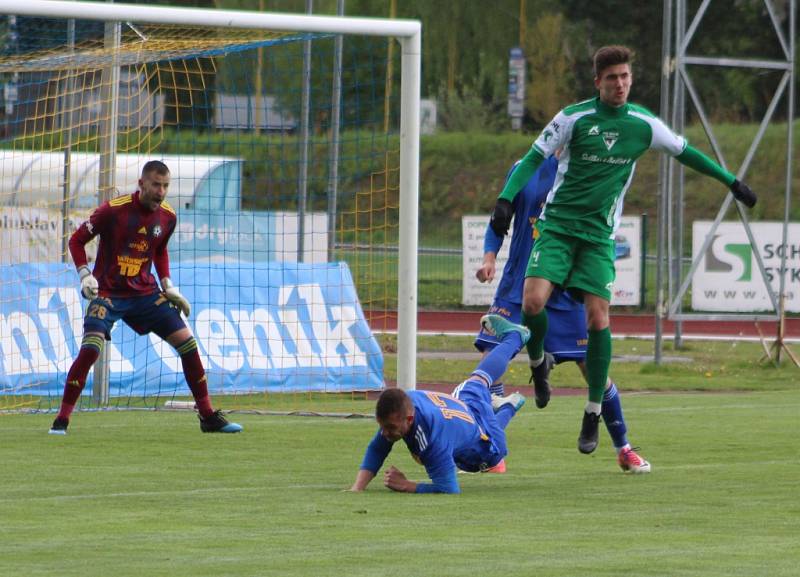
534, 297
531, 306
178, 337
596, 313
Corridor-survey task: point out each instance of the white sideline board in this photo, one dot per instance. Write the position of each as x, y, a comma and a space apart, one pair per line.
727, 278
627, 287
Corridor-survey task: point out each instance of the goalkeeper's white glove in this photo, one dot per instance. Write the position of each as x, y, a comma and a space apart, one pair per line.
175, 296
88, 283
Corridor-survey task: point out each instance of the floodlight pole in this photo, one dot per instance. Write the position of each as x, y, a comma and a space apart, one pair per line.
664, 188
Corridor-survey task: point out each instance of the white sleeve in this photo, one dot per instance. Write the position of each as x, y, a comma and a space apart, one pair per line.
664, 139
555, 135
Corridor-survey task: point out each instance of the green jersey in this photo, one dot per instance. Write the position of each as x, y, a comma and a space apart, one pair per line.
600, 145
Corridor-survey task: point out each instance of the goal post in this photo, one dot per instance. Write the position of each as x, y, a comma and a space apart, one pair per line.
101, 108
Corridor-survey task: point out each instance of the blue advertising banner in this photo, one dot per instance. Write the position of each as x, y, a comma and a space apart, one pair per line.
264, 326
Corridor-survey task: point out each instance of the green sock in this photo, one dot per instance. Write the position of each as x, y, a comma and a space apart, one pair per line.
598, 358
538, 326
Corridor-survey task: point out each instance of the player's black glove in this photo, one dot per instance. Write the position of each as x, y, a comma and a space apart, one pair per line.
743, 194
501, 217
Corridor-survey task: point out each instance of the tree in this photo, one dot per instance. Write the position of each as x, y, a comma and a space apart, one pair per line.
549, 86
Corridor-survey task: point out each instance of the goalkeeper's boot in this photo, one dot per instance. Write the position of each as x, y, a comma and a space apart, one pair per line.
216, 423
516, 400
540, 376
587, 440
59, 427
499, 327
630, 462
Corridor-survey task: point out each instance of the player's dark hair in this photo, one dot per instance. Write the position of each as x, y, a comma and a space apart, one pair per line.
390, 402
611, 55
155, 166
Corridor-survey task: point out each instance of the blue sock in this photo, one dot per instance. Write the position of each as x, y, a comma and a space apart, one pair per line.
613, 417
498, 388
496, 362
504, 415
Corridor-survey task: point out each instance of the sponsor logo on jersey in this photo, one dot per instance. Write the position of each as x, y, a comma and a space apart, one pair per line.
142, 230
605, 160
140, 245
610, 139
129, 265
594, 131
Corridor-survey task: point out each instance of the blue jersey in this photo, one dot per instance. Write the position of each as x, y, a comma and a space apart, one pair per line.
527, 207
445, 435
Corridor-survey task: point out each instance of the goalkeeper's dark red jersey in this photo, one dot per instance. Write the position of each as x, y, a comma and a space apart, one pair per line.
132, 238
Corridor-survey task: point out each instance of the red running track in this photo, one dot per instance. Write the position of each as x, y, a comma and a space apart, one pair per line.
621, 324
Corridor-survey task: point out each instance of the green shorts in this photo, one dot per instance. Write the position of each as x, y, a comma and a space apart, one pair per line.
574, 263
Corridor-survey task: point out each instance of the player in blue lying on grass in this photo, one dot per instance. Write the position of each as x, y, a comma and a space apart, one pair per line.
465, 430
567, 332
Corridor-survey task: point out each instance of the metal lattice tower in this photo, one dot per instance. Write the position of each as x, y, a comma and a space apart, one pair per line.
677, 83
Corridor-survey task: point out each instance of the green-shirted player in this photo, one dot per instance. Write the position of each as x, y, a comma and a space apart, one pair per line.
601, 140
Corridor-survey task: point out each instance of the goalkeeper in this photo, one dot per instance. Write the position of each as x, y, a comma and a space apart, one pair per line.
465, 430
601, 140
134, 231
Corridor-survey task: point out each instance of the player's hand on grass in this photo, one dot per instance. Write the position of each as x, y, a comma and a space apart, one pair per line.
395, 480
743, 193
88, 283
175, 296
501, 217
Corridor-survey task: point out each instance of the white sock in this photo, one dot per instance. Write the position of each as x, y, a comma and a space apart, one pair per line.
593, 407
535, 363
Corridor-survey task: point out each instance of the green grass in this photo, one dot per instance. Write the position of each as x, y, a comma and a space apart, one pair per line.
144, 493
700, 366
131, 493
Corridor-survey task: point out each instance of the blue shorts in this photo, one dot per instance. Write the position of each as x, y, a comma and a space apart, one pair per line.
488, 452
146, 314
566, 330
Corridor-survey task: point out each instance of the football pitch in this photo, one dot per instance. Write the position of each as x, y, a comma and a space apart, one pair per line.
139, 493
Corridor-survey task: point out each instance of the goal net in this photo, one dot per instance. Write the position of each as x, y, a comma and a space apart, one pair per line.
284, 150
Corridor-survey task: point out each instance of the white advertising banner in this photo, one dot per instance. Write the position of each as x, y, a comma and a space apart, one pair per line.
474, 292
627, 288
628, 245
34, 234
727, 278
